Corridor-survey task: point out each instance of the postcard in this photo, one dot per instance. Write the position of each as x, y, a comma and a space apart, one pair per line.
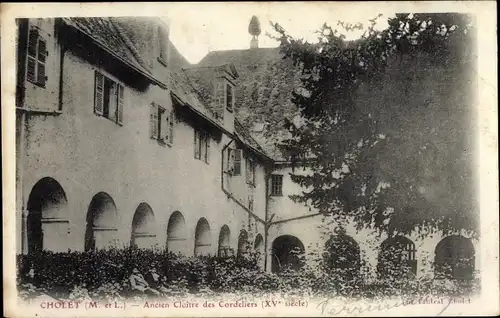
250, 159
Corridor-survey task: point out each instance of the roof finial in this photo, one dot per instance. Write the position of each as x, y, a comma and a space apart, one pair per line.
254, 30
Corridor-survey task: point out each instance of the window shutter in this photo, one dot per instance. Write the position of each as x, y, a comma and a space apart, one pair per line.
153, 121
32, 42
171, 127
237, 162
99, 93
40, 77
165, 126
32, 55
30, 70
42, 51
119, 109
229, 160
247, 170
196, 144
207, 154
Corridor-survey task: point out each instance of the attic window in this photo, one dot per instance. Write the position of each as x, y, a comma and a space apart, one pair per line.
162, 46
229, 97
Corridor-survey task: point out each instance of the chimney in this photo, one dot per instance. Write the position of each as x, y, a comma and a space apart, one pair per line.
254, 30
254, 43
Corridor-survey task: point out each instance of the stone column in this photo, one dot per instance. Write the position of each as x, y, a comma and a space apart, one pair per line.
24, 231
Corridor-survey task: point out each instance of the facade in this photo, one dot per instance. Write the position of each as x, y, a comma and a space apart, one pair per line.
120, 141
113, 152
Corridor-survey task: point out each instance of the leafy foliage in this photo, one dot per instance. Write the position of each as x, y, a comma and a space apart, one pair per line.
104, 276
254, 26
384, 130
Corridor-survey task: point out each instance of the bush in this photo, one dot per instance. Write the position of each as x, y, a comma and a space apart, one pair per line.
103, 275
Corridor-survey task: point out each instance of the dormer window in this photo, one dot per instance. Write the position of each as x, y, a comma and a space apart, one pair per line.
229, 97
162, 46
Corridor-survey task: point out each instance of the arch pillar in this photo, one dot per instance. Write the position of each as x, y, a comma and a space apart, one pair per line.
24, 230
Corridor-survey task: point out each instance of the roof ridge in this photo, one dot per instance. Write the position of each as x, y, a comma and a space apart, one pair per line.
129, 44
237, 122
197, 92
252, 49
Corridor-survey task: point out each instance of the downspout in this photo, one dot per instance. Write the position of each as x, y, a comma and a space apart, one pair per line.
266, 218
21, 60
24, 213
61, 74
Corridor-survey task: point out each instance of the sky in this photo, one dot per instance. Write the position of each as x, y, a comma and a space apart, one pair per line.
198, 28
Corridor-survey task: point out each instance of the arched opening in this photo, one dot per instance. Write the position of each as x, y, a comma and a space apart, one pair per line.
242, 244
47, 224
342, 255
454, 258
224, 242
176, 233
287, 251
397, 257
202, 238
143, 227
101, 223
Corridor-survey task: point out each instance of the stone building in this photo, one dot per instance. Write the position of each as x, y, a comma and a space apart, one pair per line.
116, 148
121, 141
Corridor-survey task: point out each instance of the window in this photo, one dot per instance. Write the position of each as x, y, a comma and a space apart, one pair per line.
37, 53
229, 97
162, 45
171, 119
201, 145
276, 184
108, 98
161, 124
237, 162
234, 161
250, 171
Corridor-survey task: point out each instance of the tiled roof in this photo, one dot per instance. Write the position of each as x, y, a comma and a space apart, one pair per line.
247, 57
201, 78
106, 35
191, 86
182, 88
245, 136
176, 60
263, 91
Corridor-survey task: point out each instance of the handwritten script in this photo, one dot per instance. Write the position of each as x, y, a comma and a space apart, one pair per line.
333, 307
